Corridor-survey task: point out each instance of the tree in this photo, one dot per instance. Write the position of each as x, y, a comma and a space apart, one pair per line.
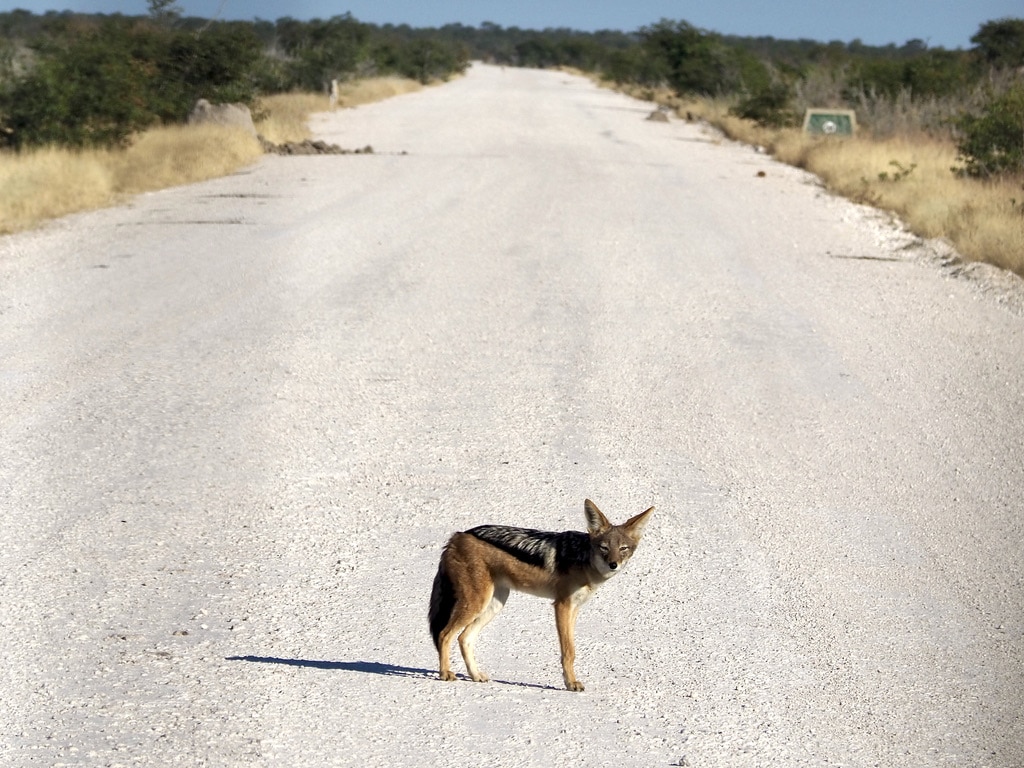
768, 106
89, 91
218, 65
692, 61
164, 12
992, 143
101, 82
688, 58
1001, 43
323, 50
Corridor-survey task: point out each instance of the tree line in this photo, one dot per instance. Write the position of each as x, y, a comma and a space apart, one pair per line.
973, 96
93, 79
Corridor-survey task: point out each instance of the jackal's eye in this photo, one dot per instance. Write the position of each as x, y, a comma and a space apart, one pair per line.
623, 548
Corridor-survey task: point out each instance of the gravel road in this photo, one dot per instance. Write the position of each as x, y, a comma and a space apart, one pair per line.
238, 420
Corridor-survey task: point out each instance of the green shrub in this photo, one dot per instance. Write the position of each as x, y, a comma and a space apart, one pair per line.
689, 60
99, 83
1000, 43
87, 91
319, 51
426, 60
769, 107
634, 65
992, 143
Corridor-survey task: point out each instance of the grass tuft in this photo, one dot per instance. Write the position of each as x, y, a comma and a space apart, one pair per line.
282, 117
39, 184
912, 177
43, 183
173, 155
909, 174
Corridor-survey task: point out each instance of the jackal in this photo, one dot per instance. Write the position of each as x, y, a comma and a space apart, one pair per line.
479, 568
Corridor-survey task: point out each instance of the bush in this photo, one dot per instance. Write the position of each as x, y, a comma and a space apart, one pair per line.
634, 65
992, 143
98, 84
769, 107
1000, 43
316, 52
690, 61
87, 91
319, 51
427, 60
218, 64
424, 59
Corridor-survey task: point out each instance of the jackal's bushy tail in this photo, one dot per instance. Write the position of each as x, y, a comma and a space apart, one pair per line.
442, 603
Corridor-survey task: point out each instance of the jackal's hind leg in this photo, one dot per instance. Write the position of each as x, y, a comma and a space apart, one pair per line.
467, 611
462, 615
467, 640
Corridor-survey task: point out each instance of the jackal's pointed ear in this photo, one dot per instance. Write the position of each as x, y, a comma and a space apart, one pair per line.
635, 525
597, 523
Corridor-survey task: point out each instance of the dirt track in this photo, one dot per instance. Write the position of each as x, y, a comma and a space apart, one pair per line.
238, 420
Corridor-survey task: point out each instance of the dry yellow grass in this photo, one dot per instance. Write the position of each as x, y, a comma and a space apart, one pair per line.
282, 117
910, 176
166, 157
48, 182
40, 184
357, 92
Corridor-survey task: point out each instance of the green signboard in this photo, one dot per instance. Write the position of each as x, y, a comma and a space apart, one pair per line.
830, 122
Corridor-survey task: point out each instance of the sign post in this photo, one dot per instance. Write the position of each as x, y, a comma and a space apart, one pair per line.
830, 122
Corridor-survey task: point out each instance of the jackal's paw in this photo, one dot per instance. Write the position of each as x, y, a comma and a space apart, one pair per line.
480, 677
574, 685
447, 676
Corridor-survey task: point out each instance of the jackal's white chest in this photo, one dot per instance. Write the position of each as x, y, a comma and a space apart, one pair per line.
580, 596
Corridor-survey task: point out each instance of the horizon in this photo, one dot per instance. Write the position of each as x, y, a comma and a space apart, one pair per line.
873, 23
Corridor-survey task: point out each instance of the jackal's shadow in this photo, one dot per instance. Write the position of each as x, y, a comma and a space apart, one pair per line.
368, 667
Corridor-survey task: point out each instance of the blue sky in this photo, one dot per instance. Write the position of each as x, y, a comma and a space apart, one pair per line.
946, 23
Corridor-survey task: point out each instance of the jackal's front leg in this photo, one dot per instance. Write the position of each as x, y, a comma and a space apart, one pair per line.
565, 622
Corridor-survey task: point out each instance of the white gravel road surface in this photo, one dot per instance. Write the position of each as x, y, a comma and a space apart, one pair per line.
239, 419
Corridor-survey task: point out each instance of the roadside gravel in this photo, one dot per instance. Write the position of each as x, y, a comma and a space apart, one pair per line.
239, 419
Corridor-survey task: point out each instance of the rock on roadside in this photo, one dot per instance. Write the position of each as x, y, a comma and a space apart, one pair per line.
239, 115
236, 115
311, 147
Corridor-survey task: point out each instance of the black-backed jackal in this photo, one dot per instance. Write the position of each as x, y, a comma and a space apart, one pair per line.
479, 568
